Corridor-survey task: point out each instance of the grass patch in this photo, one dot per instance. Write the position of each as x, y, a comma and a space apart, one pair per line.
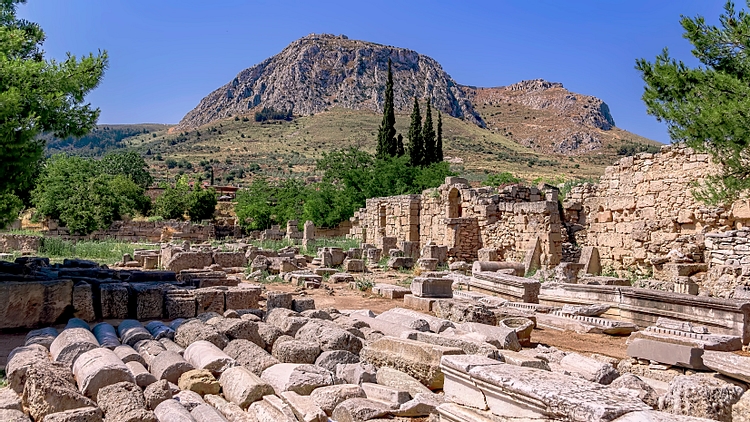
23, 232
312, 248
106, 250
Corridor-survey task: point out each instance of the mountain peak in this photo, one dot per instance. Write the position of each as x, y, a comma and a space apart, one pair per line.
320, 71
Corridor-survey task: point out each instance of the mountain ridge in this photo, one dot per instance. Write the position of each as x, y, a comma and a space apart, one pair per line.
317, 72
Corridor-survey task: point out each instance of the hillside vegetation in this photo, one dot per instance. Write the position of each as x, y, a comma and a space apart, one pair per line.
237, 150
102, 139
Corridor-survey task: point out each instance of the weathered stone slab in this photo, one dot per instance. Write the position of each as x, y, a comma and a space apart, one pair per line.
99, 368
157, 393
146, 300
424, 304
682, 355
701, 396
83, 301
250, 355
500, 337
359, 409
327, 398
461, 310
114, 300
468, 345
432, 287
589, 369
179, 304
437, 325
72, 343
194, 330
525, 392
451, 412
656, 416
586, 324
299, 378
83, 414
459, 387
30, 304
199, 381
391, 396
420, 360
295, 351
304, 407
390, 291
507, 286
209, 299
729, 364
275, 299
243, 296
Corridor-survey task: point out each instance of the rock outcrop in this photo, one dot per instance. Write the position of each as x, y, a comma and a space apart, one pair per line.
321, 71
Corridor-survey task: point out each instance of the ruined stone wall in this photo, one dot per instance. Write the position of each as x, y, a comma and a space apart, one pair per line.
508, 219
643, 208
15, 242
466, 219
393, 216
134, 231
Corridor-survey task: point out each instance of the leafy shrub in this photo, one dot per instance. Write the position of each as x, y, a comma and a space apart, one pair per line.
269, 113
504, 178
83, 197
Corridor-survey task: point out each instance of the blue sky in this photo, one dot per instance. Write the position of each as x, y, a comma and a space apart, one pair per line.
166, 55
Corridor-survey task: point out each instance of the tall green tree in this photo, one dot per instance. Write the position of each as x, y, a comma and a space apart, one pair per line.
708, 107
129, 163
387, 131
400, 146
439, 141
37, 96
416, 146
428, 138
76, 192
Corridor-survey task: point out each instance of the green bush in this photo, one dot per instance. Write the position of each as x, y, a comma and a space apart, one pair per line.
504, 178
77, 192
178, 201
201, 203
350, 178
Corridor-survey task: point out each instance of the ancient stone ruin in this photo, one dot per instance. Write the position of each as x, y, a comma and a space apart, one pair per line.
188, 332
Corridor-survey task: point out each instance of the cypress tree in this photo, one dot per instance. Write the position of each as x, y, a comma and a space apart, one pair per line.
416, 147
439, 142
399, 146
387, 131
428, 138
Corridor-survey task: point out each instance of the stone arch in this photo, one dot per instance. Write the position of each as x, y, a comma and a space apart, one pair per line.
454, 204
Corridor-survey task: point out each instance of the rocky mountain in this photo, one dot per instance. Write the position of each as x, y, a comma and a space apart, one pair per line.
545, 115
318, 72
